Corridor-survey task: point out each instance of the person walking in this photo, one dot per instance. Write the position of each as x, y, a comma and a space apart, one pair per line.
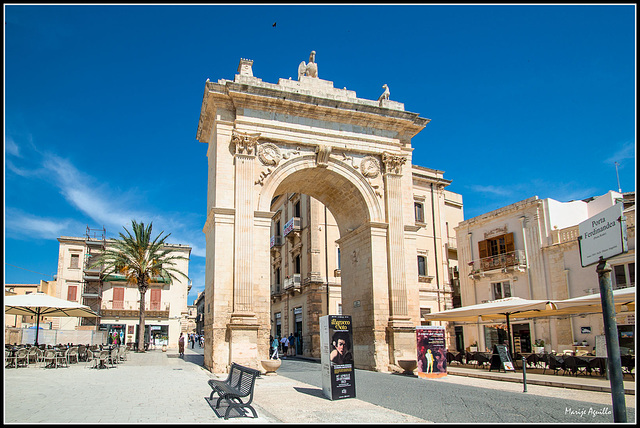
274, 346
181, 345
193, 340
285, 345
292, 345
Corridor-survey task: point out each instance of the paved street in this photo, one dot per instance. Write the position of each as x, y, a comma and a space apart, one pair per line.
158, 387
455, 399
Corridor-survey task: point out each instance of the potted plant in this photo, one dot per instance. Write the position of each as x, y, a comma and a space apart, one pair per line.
585, 343
474, 347
164, 343
538, 347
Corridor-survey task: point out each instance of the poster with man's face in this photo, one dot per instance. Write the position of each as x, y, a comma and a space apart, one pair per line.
337, 356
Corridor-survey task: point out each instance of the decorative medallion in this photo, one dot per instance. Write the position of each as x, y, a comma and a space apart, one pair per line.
370, 167
269, 154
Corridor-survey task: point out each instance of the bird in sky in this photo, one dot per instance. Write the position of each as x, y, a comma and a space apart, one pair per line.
274, 25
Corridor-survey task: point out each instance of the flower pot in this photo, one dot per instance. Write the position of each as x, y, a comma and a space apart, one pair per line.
270, 366
473, 349
538, 349
164, 348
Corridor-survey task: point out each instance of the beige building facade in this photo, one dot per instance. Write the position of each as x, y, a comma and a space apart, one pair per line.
305, 137
306, 259
530, 250
117, 302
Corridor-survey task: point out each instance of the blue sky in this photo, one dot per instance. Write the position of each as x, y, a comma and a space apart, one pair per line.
102, 104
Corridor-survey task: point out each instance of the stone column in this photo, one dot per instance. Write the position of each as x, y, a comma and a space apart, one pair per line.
401, 331
244, 158
243, 325
395, 237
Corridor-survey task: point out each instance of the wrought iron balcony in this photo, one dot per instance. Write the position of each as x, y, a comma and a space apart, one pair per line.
514, 260
276, 241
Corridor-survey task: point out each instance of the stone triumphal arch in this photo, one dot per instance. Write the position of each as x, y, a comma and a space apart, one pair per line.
354, 156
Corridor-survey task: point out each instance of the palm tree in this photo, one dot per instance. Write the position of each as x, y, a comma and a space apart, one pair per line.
141, 260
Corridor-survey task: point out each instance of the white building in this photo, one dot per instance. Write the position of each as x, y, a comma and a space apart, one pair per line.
530, 250
114, 300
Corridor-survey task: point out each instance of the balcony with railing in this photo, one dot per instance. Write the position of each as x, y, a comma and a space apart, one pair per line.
276, 241
115, 277
131, 308
568, 234
505, 262
294, 281
293, 225
452, 243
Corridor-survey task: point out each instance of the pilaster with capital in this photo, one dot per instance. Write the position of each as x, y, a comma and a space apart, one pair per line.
395, 237
244, 158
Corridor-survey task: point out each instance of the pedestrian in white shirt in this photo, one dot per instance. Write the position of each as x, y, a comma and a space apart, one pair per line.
285, 345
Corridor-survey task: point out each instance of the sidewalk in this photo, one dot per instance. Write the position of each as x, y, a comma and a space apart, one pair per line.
587, 383
158, 387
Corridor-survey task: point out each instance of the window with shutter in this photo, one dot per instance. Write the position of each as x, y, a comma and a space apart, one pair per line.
155, 299
72, 292
482, 249
118, 298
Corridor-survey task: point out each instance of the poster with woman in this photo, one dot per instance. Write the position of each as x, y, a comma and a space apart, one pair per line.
432, 351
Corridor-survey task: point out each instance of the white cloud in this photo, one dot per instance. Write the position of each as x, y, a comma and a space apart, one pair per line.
83, 192
113, 209
493, 190
11, 148
21, 225
20, 171
627, 151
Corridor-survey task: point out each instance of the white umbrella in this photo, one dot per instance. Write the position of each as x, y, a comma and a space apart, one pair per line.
40, 304
495, 310
592, 303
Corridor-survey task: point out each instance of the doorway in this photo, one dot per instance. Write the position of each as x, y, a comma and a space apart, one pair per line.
521, 337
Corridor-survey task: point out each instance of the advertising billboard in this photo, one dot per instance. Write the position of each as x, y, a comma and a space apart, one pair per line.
432, 351
336, 342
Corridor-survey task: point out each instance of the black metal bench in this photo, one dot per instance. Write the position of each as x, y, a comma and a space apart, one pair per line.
238, 385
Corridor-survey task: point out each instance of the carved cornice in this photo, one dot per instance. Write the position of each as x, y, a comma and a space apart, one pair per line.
393, 163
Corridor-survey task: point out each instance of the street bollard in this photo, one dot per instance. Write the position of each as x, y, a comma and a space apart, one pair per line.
524, 374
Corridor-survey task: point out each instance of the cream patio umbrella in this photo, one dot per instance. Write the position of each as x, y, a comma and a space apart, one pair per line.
592, 303
41, 304
495, 310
